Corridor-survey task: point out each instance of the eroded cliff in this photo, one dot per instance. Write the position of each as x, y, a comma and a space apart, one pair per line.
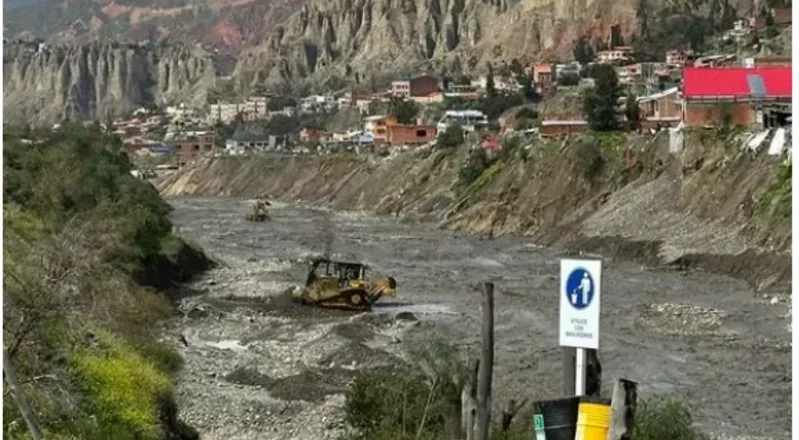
47, 84
712, 206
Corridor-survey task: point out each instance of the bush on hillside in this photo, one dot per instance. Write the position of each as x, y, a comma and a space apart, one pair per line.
452, 137
77, 228
477, 163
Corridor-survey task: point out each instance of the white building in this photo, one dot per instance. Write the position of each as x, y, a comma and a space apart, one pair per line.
314, 103
469, 120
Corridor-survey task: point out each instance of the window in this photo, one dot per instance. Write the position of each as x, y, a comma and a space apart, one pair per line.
421, 133
196, 148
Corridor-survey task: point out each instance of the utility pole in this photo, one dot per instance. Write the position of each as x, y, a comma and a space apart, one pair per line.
486, 364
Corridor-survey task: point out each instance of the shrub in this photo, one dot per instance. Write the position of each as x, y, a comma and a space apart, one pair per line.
569, 80
476, 164
120, 387
665, 419
527, 113
588, 155
452, 137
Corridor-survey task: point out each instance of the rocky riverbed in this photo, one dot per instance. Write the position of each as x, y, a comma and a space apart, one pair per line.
258, 366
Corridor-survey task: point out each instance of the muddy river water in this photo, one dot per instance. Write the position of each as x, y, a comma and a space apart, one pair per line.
708, 339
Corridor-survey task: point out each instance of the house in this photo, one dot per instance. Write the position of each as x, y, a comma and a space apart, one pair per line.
432, 98
542, 76
679, 58
767, 61
422, 85
246, 138
314, 136
417, 134
377, 126
572, 68
615, 55
711, 95
224, 112
562, 124
661, 109
469, 120
315, 103
194, 146
630, 74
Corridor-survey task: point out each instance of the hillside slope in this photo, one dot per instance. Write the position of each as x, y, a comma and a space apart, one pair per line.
99, 79
712, 206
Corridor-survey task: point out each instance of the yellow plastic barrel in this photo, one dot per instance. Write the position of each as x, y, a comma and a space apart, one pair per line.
593, 419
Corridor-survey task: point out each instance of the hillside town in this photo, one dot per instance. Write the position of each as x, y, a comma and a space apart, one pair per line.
683, 90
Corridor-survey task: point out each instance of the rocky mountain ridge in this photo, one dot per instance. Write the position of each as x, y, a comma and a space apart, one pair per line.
97, 80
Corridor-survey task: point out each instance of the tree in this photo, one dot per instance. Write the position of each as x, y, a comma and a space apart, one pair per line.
601, 101
583, 52
405, 111
490, 87
569, 79
451, 137
516, 67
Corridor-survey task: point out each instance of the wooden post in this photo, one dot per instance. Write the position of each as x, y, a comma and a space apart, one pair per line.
569, 360
19, 398
486, 364
468, 397
622, 410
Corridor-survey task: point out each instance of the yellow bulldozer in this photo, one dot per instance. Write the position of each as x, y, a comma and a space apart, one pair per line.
259, 212
342, 285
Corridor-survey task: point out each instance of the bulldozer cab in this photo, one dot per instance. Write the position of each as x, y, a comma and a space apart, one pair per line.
325, 271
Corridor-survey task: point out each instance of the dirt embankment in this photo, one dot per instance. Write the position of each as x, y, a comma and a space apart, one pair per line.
714, 206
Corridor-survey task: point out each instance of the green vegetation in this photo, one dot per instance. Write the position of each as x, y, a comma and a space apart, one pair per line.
452, 137
404, 110
776, 199
665, 419
601, 101
583, 52
82, 238
421, 400
477, 163
412, 402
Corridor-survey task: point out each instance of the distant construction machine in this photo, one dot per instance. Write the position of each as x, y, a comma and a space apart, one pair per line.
342, 285
259, 212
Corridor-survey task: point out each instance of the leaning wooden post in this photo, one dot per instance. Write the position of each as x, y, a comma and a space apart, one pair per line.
622, 410
19, 398
468, 397
486, 364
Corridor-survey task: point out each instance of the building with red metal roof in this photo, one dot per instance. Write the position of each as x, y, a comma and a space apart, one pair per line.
712, 95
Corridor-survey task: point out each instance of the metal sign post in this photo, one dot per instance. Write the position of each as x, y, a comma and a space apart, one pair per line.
580, 287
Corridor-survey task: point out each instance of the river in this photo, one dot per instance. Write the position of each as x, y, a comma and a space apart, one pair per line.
707, 338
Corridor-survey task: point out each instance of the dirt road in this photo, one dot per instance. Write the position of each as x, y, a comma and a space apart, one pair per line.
257, 368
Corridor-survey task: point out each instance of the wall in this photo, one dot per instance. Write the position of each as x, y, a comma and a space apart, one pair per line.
698, 114
409, 135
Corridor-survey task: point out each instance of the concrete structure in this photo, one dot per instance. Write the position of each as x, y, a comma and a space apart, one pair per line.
432, 98
715, 95
661, 109
377, 126
418, 134
543, 77
315, 103
630, 74
469, 120
422, 85
562, 124
615, 55
194, 146
314, 136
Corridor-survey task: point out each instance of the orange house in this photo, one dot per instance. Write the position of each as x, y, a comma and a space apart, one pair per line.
377, 126
419, 134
